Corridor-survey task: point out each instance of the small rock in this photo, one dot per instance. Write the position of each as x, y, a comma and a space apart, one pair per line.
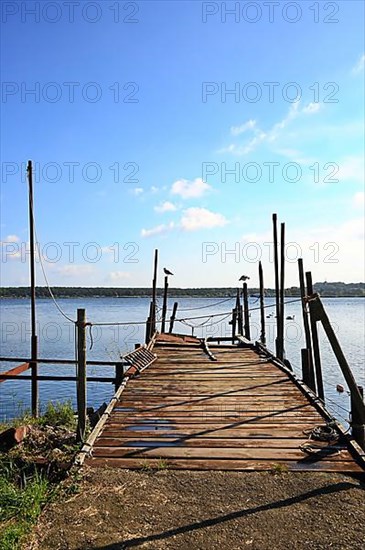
12, 437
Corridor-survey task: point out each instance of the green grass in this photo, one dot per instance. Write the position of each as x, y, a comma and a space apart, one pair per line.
21, 501
24, 494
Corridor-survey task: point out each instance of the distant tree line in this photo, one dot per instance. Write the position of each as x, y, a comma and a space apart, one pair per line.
324, 289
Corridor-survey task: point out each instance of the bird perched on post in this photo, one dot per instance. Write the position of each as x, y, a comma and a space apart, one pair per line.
243, 278
167, 272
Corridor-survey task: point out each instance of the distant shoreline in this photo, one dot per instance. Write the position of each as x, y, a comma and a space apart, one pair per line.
326, 290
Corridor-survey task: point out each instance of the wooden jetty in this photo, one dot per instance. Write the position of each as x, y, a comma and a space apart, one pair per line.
228, 407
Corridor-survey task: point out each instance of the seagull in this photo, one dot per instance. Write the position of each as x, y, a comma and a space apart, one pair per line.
243, 278
167, 272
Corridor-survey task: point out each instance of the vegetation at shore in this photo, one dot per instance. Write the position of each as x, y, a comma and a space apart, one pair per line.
338, 289
31, 470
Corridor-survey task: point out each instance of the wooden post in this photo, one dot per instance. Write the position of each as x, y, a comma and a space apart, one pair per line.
262, 306
149, 330
81, 375
233, 323
239, 313
276, 272
320, 314
315, 339
154, 287
173, 316
119, 372
246, 312
358, 420
164, 304
281, 354
307, 370
34, 342
307, 334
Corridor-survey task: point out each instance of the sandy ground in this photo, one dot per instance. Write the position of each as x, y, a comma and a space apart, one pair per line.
183, 510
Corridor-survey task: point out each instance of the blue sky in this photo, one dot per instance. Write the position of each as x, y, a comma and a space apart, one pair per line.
138, 143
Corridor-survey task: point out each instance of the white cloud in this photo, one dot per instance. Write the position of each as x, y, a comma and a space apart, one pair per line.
116, 276
269, 136
74, 270
196, 218
11, 239
359, 67
311, 108
359, 199
153, 189
351, 169
190, 189
158, 230
237, 130
137, 191
165, 207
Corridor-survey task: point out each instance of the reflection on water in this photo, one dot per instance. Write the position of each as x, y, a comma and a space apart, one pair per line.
56, 340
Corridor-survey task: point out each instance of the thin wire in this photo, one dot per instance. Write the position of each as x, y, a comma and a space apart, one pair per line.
44, 272
204, 307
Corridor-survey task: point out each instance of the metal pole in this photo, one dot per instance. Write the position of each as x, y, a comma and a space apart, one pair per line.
34, 343
262, 305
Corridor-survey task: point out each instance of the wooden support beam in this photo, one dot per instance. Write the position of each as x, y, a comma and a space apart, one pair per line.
276, 273
154, 287
14, 372
34, 341
307, 369
307, 334
81, 375
281, 354
321, 315
246, 312
358, 420
315, 339
164, 304
262, 306
173, 316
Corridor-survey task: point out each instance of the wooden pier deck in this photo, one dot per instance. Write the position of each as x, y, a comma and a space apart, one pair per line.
240, 411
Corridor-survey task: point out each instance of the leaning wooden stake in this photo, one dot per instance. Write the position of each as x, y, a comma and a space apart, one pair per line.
164, 305
173, 316
34, 342
81, 375
321, 315
315, 339
262, 306
239, 313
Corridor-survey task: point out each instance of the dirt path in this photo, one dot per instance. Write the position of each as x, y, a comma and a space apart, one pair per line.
120, 509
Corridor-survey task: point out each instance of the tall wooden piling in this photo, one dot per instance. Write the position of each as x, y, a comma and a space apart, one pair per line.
315, 339
164, 304
173, 316
276, 274
233, 323
281, 352
239, 309
358, 420
81, 375
34, 342
262, 305
307, 357
154, 288
246, 312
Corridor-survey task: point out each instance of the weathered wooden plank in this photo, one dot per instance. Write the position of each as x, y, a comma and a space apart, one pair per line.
222, 453
191, 441
235, 465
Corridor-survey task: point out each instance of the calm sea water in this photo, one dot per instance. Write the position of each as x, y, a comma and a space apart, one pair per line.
56, 340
